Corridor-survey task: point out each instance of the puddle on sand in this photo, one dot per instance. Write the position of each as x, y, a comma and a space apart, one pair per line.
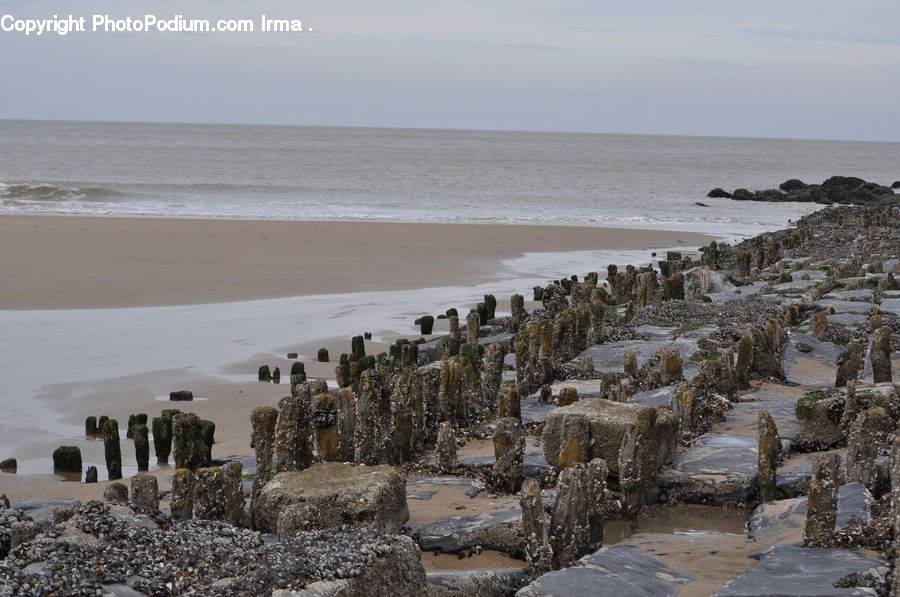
705, 542
683, 519
486, 560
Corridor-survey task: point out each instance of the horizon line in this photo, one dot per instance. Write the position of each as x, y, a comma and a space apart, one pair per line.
447, 129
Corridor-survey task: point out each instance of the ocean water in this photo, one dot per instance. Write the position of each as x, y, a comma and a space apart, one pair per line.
324, 173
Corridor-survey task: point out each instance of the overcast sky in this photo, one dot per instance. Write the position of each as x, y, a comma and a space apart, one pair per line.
787, 68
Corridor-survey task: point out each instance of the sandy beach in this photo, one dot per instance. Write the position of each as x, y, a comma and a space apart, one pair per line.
135, 308
52, 262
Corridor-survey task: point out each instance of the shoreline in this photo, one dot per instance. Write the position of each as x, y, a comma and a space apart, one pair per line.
65, 262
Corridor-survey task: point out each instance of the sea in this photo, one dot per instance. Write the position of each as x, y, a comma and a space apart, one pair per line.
413, 175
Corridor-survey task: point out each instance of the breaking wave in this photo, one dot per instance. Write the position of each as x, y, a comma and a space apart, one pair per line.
26, 193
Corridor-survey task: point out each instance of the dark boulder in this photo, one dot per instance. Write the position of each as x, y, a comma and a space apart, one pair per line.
181, 396
742, 195
719, 193
772, 195
792, 184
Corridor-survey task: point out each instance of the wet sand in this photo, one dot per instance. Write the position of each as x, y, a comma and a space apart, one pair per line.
53, 262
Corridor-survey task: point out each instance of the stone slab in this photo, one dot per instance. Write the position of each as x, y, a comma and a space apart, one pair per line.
339, 493
783, 521
500, 530
617, 571
476, 583
658, 397
607, 422
845, 306
891, 306
786, 570
41, 509
718, 468
816, 367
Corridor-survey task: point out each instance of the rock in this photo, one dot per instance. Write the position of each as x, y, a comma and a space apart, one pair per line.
116, 493
62, 513
868, 437
181, 502
346, 422
112, 449
509, 454
742, 195
67, 459
265, 374
22, 532
189, 449
326, 428
783, 521
294, 432
607, 422
673, 287
792, 185
336, 493
849, 363
446, 447
183, 395
392, 569
517, 306
895, 482
141, 436
575, 435
473, 325
821, 509
718, 193
426, 325
801, 572
490, 303
90, 426
90, 475
209, 494
769, 453
820, 420
617, 571
881, 355
38, 509
276, 375
322, 355
536, 528
576, 521
638, 465
162, 438
233, 493
9, 464
262, 440
819, 326
567, 396
372, 440
509, 403
292, 355
145, 491
479, 583
500, 530
208, 433
717, 469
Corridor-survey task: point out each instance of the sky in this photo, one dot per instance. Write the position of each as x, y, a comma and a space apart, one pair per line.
825, 69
